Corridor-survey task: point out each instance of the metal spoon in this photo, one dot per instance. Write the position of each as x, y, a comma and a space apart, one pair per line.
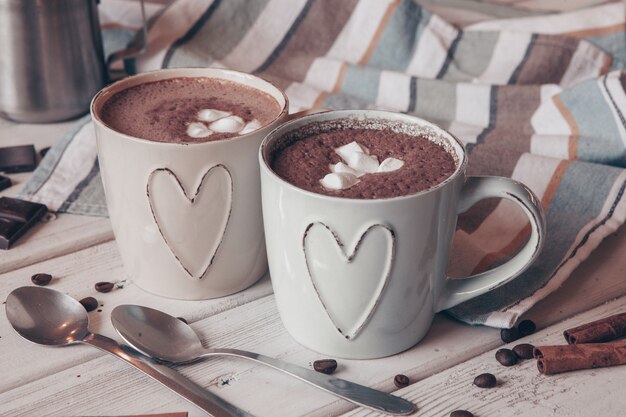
167, 338
48, 317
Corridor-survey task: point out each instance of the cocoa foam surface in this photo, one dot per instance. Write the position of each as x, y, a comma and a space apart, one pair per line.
302, 156
162, 110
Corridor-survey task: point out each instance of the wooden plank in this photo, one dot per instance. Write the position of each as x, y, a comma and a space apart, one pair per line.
252, 323
248, 320
521, 390
40, 135
60, 235
256, 326
113, 389
76, 274
253, 326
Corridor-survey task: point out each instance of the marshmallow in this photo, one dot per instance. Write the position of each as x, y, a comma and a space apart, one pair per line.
362, 162
390, 164
340, 167
198, 130
230, 124
211, 115
346, 150
250, 127
339, 181
358, 163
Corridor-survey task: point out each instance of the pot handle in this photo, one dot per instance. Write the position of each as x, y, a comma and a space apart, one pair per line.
138, 44
475, 189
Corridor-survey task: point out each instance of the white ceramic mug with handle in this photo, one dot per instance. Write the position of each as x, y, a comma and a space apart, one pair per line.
186, 217
363, 278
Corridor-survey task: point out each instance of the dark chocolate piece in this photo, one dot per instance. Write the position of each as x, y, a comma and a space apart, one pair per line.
16, 218
18, 158
43, 152
5, 182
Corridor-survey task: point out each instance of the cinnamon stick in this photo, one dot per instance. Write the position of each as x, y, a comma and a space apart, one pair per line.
602, 330
556, 359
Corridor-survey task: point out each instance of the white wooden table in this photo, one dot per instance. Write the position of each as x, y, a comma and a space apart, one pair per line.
80, 380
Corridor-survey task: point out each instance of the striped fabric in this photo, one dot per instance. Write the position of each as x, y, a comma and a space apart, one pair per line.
539, 99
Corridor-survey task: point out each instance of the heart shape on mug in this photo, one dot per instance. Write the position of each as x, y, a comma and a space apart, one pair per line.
192, 226
349, 285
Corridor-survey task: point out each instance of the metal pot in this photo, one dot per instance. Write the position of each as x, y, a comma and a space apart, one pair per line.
52, 61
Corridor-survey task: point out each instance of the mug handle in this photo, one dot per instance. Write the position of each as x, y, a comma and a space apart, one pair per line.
475, 189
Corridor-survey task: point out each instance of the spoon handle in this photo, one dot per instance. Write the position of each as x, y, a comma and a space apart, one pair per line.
355, 393
172, 379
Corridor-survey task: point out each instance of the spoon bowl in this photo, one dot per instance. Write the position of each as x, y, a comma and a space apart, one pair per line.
47, 317
157, 334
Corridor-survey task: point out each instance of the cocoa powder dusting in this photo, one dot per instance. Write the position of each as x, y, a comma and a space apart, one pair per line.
304, 162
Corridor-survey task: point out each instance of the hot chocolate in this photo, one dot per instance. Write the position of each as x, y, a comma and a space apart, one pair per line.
363, 162
189, 109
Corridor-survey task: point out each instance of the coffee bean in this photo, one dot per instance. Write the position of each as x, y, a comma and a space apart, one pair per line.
461, 413
89, 303
485, 381
526, 327
509, 335
401, 381
104, 286
182, 319
524, 351
41, 279
506, 357
325, 366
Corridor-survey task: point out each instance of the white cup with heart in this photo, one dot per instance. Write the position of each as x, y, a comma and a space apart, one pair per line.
363, 277
186, 216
